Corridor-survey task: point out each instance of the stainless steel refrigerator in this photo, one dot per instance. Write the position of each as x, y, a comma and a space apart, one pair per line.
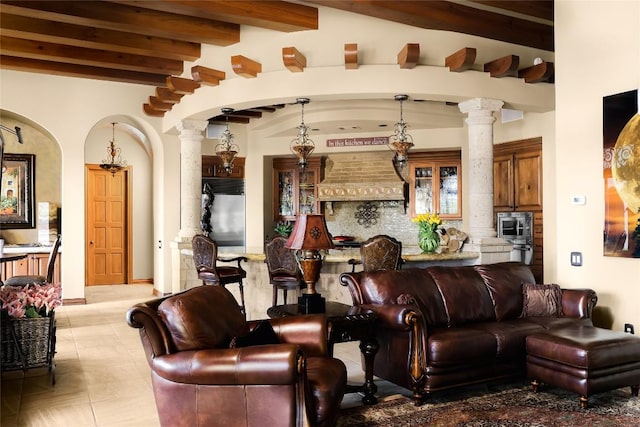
228, 213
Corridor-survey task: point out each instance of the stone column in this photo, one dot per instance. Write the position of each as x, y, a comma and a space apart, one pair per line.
479, 175
190, 176
191, 135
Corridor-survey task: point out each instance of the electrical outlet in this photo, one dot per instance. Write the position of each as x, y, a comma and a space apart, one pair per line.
628, 328
576, 259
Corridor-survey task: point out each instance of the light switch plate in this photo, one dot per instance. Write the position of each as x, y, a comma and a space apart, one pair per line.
576, 259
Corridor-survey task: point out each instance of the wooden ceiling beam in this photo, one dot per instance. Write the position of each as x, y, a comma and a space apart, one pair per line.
73, 70
128, 18
182, 86
91, 57
221, 119
150, 111
452, 16
97, 38
542, 9
157, 104
167, 95
270, 15
246, 113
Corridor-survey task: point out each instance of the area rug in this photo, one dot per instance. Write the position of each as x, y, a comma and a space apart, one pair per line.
505, 405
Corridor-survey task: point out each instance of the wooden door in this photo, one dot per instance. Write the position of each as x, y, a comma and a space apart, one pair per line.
107, 203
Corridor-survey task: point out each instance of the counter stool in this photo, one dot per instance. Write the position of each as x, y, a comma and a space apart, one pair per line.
585, 360
205, 258
284, 273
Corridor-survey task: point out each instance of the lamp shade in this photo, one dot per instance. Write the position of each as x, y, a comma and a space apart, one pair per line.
309, 233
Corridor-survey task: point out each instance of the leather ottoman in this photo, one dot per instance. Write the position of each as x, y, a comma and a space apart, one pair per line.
585, 360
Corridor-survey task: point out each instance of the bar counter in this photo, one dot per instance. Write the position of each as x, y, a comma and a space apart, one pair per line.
258, 290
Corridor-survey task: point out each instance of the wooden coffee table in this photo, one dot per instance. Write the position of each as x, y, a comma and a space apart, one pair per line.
346, 323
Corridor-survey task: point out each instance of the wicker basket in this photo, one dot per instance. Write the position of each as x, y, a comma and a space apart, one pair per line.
27, 342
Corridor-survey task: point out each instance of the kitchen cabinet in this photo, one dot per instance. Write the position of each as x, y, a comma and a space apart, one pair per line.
295, 191
34, 264
435, 184
517, 186
538, 249
517, 176
212, 167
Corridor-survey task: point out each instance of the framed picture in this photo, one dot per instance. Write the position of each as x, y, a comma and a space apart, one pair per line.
17, 192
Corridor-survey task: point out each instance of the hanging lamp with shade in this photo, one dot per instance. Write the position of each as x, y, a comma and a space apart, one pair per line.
400, 142
227, 149
302, 146
113, 163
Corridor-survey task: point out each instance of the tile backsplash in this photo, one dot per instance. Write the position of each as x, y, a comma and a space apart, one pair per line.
390, 218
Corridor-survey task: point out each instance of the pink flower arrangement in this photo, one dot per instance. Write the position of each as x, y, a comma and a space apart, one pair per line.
30, 300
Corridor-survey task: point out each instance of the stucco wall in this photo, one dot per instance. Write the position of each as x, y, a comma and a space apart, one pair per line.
598, 50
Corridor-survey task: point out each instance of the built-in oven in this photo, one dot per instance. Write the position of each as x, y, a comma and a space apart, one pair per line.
517, 229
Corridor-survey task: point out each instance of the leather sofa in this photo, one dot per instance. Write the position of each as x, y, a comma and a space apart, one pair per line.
444, 327
211, 367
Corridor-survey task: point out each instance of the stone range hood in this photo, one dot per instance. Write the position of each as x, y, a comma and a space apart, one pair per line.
353, 177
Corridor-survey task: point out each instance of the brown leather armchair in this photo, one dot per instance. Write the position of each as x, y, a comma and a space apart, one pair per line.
200, 378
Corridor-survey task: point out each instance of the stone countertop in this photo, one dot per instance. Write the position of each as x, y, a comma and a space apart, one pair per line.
344, 255
28, 249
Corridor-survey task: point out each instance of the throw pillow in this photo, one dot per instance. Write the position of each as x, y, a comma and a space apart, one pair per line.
541, 300
262, 334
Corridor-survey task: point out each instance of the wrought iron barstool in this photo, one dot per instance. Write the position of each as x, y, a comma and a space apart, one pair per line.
283, 269
379, 252
205, 258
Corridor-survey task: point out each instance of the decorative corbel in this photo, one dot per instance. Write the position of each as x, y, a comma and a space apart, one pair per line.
293, 59
503, 67
245, 67
351, 56
409, 55
543, 72
462, 60
207, 76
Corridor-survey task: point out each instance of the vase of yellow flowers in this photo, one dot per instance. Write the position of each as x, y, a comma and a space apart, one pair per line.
428, 237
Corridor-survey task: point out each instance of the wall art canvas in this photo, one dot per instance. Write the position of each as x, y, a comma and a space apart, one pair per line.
621, 172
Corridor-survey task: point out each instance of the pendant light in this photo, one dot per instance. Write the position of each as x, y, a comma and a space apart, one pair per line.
113, 163
227, 149
302, 146
400, 142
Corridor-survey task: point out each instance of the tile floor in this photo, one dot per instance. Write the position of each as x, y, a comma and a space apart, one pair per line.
102, 376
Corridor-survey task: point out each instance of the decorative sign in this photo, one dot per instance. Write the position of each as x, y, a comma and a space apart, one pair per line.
357, 142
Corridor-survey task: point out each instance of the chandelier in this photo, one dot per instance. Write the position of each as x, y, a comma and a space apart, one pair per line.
227, 149
301, 145
113, 163
400, 142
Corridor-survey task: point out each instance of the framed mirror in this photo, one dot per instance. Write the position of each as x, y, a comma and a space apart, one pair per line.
17, 192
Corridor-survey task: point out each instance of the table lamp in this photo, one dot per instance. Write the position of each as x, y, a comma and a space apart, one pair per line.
308, 237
